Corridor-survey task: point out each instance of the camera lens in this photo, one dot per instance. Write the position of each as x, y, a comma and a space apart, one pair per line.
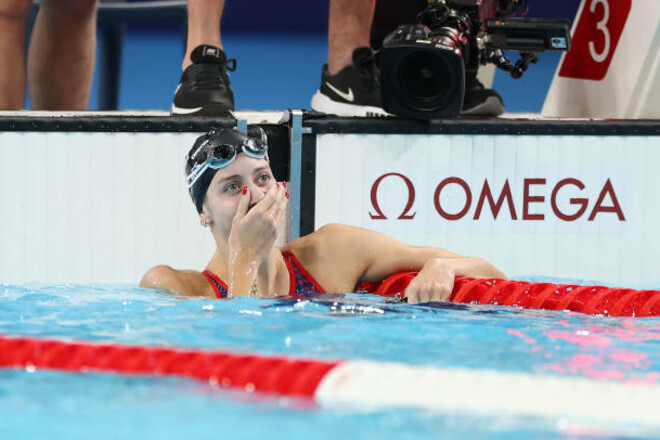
424, 76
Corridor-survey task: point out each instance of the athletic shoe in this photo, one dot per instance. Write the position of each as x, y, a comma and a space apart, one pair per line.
480, 101
204, 88
353, 91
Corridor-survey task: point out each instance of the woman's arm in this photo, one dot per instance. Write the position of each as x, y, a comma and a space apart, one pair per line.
189, 283
435, 281
380, 256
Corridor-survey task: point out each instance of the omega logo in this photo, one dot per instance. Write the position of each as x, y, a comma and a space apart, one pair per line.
606, 202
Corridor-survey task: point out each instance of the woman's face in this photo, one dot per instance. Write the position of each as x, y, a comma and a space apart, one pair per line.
227, 185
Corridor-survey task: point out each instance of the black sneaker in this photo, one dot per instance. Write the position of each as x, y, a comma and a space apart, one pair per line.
354, 91
204, 88
480, 101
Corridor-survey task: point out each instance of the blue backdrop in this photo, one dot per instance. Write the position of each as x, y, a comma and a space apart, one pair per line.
280, 48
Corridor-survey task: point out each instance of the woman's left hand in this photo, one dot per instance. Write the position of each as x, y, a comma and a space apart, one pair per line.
434, 282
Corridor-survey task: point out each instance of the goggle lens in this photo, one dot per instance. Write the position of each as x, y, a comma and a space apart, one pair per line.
255, 147
224, 152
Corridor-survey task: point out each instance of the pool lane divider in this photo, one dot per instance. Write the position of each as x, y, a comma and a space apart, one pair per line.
267, 374
366, 384
593, 300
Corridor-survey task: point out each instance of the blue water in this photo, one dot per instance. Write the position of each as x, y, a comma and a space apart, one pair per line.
47, 404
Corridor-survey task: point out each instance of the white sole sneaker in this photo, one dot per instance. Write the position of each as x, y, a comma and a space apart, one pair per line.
321, 103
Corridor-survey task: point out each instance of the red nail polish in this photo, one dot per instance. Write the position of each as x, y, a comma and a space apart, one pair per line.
286, 195
245, 190
284, 184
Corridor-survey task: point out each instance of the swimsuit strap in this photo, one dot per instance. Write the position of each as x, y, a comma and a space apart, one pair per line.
301, 282
218, 285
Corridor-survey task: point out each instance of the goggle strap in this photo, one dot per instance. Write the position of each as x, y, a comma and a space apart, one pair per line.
196, 172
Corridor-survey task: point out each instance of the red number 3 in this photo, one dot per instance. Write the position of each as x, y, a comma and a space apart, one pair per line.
601, 26
595, 40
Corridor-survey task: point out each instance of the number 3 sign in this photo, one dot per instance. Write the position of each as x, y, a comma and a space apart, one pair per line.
595, 39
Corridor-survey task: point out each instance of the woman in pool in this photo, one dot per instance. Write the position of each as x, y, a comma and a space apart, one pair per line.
237, 197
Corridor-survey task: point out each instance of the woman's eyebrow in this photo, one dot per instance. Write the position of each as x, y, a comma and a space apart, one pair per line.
240, 177
232, 177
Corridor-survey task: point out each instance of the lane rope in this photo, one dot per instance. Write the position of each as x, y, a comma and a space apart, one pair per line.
276, 375
593, 300
364, 383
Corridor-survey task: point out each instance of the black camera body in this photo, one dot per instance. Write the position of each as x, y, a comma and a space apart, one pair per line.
420, 78
424, 65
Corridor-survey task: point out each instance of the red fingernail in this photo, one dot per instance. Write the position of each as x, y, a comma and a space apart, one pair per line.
245, 190
286, 195
284, 183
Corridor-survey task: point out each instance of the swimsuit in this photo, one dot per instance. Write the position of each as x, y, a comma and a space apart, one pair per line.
302, 283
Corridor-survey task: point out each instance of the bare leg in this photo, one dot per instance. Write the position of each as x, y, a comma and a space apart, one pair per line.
203, 25
61, 56
13, 14
349, 28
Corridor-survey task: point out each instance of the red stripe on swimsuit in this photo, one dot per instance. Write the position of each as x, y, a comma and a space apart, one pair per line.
218, 285
302, 283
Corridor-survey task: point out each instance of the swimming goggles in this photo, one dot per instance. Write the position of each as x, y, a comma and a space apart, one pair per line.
222, 155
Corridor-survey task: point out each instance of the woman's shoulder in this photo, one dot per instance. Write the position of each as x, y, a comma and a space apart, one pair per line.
185, 282
330, 242
335, 231
318, 240
329, 255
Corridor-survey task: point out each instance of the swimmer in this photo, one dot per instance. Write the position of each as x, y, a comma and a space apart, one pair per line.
232, 186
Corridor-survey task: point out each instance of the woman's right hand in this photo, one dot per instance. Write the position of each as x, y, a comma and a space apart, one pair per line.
254, 230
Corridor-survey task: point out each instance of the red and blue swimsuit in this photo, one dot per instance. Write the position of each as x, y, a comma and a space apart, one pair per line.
303, 283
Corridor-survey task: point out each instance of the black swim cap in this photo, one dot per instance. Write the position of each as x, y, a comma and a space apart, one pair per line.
206, 144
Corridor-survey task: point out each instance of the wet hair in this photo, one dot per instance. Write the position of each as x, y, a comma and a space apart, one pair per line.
200, 150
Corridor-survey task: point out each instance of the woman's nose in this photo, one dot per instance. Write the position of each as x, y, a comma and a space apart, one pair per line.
256, 193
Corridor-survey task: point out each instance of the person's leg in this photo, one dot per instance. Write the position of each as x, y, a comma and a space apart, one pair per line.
349, 27
204, 18
13, 15
349, 81
61, 55
204, 88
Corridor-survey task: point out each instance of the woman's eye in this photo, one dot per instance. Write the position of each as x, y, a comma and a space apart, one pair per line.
230, 187
263, 178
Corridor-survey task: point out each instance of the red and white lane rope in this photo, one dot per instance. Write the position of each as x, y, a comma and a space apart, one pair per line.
368, 384
594, 300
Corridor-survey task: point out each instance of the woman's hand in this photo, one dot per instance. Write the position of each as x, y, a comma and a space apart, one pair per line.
252, 237
434, 282
254, 230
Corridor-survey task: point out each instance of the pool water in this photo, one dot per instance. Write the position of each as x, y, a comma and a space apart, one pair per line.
49, 404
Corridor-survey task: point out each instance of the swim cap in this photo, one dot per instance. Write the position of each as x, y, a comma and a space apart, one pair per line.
215, 150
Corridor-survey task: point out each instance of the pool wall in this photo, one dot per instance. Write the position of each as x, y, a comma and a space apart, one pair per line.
101, 198
566, 198
564, 205
97, 199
